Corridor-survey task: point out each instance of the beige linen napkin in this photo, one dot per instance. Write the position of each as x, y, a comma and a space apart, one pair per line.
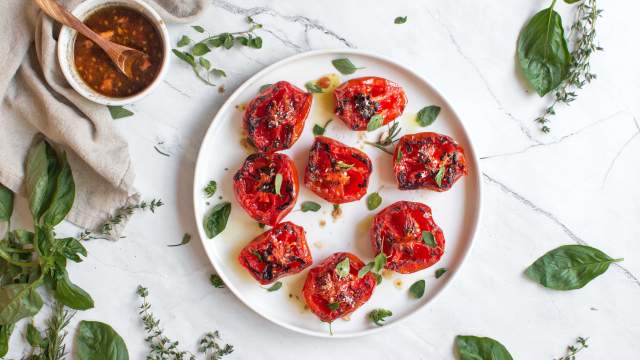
36, 98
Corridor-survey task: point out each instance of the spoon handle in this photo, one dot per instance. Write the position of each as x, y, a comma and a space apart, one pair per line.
62, 15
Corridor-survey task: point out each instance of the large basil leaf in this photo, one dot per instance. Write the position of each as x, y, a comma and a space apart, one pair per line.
18, 301
63, 195
71, 294
5, 335
70, 248
542, 51
569, 267
480, 348
40, 177
6, 203
98, 341
216, 221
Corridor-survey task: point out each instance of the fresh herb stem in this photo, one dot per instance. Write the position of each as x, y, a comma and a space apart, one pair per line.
125, 212
572, 350
387, 138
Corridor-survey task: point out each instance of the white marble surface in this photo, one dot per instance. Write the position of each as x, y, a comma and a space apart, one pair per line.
577, 185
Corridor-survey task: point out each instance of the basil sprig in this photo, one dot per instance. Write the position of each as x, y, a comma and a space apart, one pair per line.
569, 267
542, 50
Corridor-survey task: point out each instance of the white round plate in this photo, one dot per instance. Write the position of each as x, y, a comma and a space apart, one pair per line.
456, 211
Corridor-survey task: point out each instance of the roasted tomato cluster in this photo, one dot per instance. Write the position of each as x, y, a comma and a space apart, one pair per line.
408, 236
336, 172
275, 253
428, 160
358, 100
267, 186
275, 118
330, 295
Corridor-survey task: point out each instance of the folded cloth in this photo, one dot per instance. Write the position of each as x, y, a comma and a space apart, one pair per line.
36, 98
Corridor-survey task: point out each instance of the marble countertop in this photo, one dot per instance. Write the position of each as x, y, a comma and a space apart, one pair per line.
575, 185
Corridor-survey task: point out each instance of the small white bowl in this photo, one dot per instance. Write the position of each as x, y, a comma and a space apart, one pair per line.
67, 39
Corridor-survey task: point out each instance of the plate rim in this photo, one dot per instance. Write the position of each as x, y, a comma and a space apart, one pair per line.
339, 51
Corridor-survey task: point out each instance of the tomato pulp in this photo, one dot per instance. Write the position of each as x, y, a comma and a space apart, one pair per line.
267, 186
336, 172
275, 118
331, 296
407, 234
276, 253
358, 100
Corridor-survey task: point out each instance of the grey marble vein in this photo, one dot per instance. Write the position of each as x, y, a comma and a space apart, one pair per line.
615, 158
176, 89
299, 19
573, 236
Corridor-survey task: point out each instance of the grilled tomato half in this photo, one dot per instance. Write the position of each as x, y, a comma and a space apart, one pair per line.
408, 236
360, 99
267, 186
336, 172
275, 118
276, 253
333, 288
428, 160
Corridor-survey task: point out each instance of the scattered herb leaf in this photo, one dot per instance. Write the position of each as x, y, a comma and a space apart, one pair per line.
216, 281
343, 268
198, 28
312, 87
475, 348
365, 270
387, 138
345, 66
427, 115
118, 112
400, 20
98, 341
184, 41
211, 188
310, 206
264, 87
373, 201
417, 289
379, 262
319, 130
378, 316
275, 287
440, 272
216, 221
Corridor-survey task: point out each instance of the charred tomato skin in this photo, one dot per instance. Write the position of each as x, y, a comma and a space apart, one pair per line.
336, 172
418, 158
274, 119
324, 286
397, 231
278, 252
254, 186
357, 100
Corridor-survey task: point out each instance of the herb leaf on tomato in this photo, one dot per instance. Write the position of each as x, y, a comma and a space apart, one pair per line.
427, 237
278, 183
343, 268
375, 122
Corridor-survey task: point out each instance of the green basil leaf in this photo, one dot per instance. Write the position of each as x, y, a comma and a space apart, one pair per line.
184, 56
313, 87
199, 49
373, 201
218, 72
375, 122
41, 171
211, 188
365, 270
275, 287
216, 221
228, 41
216, 281
243, 40
440, 175
204, 63
427, 115
71, 294
417, 289
378, 278
98, 341
256, 42
343, 268
427, 237
33, 336
379, 262
569, 267
440, 272
333, 306
198, 28
400, 20
18, 301
278, 183
399, 156
118, 112
184, 41
5, 335
63, 195
480, 348
6, 203
216, 41
543, 54
310, 206
378, 316
345, 66
22, 237
70, 248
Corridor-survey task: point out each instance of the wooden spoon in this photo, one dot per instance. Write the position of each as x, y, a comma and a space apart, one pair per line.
124, 57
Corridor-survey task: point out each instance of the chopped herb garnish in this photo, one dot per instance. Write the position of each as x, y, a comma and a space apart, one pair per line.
278, 183
343, 268
373, 201
345, 66
309, 206
211, 188
378, 316
343, 166
216, 281
275, 287
400, 20
333, 306
417, 289
440, 175
427, 237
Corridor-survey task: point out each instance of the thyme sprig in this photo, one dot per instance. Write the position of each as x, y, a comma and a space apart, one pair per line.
583, 36
387, 138
572, 350
125, 212
52, 346
163, 348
